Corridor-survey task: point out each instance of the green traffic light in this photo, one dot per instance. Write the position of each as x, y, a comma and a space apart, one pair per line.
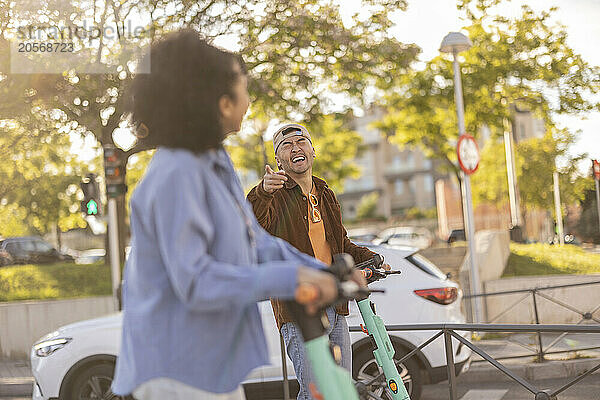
92, 207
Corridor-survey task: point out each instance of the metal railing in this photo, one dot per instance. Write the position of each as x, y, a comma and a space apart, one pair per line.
449, 332
534, 293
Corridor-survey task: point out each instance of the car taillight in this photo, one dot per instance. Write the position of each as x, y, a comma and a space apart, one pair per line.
446, 295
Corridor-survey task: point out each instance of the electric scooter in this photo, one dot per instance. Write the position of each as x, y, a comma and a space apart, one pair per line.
383, 350
332, 381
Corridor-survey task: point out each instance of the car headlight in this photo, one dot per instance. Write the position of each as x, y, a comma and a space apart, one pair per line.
47, 347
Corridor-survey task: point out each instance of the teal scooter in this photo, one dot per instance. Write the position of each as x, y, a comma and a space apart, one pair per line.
383, 350
332, 381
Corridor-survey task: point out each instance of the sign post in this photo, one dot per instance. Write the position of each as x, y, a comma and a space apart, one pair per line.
115, 186
596, 168
558, 210
468, 159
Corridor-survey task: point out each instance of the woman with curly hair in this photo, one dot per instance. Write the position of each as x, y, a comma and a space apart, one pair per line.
199, 261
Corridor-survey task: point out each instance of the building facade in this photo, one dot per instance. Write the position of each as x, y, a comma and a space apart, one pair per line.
403, 178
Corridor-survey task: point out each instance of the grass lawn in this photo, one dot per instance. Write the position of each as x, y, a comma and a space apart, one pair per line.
543, 259
54, 281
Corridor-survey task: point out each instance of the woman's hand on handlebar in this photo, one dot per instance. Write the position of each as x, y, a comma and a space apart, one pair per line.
386, 267
316, 289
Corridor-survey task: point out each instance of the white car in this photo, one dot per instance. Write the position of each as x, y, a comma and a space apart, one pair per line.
90, 256
76, 362
403, 236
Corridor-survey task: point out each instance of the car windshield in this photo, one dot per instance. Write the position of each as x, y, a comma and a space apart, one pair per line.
43, 247
426, 266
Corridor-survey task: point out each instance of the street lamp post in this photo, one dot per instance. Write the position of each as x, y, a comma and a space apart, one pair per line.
456, 42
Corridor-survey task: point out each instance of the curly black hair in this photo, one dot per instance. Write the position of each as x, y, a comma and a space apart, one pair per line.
176, 104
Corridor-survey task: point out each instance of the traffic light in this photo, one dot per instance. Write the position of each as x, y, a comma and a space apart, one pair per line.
90, 205
114, 172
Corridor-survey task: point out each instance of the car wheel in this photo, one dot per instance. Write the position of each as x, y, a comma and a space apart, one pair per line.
94, 383
365, 367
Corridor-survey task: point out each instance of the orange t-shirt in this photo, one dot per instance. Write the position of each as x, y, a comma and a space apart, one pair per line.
316, 233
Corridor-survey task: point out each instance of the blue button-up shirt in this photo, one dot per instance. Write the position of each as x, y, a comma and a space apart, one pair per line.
199, 262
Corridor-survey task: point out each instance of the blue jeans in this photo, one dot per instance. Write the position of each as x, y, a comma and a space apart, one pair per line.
294, 344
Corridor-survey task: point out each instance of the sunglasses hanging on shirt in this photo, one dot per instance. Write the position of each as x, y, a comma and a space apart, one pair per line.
314, 202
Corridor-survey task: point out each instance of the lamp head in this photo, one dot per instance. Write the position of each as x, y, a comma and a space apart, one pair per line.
455, 41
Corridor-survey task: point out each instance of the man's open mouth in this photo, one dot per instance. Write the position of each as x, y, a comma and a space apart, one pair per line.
298, 159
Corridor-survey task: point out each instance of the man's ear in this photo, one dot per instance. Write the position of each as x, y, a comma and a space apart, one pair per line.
278, 163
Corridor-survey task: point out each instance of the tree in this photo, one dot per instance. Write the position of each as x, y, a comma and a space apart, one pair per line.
512, 62
367, 207
296, 52
38, 178
535, 163
335, 146
587, 227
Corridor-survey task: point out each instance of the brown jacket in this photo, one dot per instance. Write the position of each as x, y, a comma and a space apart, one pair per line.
284, 214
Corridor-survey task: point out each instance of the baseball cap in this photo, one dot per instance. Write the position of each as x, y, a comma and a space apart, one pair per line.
288, 130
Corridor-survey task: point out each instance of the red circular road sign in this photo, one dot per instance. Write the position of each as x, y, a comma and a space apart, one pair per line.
468, 153
596, 168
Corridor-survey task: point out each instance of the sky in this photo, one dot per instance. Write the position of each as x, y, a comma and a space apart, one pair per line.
426, 22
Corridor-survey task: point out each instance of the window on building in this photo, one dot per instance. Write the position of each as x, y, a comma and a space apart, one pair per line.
410, 161
399, 187
428, 182
412, 185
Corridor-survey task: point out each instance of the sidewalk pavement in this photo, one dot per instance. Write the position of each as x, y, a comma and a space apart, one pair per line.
560, 365
16, 379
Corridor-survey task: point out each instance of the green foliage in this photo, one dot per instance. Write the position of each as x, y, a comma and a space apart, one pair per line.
54, 281
11, 221
420, 213
544, 259
297, 54
508, 64
250, 152
38, 177
367, 207
489, 183
336, 147
588, 225
534, 164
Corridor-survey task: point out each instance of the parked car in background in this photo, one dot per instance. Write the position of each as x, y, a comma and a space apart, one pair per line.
90, 256
403, 236
77, 361
362, 234
32, 250
456, 235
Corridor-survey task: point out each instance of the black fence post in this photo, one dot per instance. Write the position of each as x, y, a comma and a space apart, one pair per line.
540, 354
450, 365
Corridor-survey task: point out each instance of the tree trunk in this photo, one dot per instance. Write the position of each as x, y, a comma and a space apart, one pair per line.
462, 205
123, 227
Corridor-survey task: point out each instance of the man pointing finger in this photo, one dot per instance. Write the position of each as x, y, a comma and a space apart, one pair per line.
301, 209
273, 180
